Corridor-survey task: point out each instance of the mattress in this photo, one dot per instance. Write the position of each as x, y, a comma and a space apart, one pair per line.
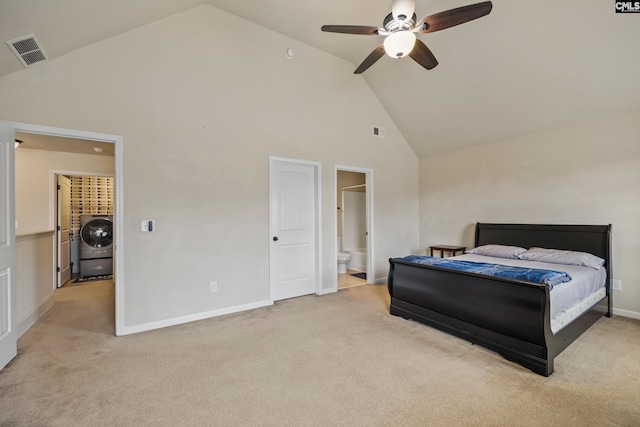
567, 300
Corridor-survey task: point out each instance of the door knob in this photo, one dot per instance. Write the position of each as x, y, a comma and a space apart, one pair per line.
275, 239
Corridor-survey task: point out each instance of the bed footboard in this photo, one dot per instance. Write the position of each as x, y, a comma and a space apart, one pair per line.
506, 316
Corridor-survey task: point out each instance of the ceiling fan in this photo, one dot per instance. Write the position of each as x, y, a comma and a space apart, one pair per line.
400, 27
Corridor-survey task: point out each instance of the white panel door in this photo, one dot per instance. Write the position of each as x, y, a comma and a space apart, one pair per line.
8, 338
63, 230
292, 193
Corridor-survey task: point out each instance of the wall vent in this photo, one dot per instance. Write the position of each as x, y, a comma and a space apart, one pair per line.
28, 50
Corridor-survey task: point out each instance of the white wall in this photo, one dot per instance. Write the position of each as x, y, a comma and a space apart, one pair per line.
587, 174
355, 220
35, 197
346, 179
202, 99
35, 278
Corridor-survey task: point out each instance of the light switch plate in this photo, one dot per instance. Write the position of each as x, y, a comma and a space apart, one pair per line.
147, 225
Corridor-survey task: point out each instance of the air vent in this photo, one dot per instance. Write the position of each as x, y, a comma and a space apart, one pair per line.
28, 50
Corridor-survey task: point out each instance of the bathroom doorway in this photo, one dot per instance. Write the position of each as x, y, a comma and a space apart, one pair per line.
354, 226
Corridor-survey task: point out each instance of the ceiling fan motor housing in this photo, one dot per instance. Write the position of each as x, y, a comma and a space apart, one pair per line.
392, 24
401, 9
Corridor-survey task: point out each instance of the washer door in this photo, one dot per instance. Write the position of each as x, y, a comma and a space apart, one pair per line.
97, 233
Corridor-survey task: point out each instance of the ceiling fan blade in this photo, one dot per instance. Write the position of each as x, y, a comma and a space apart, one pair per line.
453, 17
351, 29
423, 56
370, 60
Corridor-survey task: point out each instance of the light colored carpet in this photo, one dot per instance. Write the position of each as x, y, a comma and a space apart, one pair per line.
335, 360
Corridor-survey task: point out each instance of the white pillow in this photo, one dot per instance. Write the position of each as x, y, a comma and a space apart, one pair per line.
557, 256
498, 251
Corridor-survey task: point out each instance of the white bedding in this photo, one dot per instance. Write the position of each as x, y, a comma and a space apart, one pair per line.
568, 300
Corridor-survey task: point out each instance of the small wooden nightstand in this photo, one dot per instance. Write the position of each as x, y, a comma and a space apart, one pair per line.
446, 248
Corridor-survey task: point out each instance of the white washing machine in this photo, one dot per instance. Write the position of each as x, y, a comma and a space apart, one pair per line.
96, 245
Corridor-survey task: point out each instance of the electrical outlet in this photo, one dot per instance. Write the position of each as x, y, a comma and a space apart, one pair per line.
213, 287
617, 284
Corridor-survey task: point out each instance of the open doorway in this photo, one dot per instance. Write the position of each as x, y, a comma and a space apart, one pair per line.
354, 232
84, 226
95, 142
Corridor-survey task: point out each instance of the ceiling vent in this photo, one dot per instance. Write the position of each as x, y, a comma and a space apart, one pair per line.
28, 50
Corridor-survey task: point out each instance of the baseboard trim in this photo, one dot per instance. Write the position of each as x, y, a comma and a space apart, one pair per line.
30, 319
626, 313
150, 326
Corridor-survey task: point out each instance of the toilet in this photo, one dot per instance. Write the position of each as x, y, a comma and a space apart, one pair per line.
343, 259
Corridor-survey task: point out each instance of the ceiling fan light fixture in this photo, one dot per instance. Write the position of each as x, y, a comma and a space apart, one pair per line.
400, 27
399, 44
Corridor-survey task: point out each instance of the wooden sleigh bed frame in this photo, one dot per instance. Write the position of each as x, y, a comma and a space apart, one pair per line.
510, 317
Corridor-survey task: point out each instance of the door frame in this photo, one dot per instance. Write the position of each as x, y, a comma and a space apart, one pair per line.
318, 219
118, 238
58, 232
368, 173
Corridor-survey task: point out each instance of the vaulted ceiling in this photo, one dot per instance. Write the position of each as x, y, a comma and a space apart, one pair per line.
529, 66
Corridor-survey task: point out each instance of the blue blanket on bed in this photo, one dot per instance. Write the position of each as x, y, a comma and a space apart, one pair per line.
532, 275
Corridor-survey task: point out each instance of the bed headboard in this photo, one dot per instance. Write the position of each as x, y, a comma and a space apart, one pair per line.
594, 239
